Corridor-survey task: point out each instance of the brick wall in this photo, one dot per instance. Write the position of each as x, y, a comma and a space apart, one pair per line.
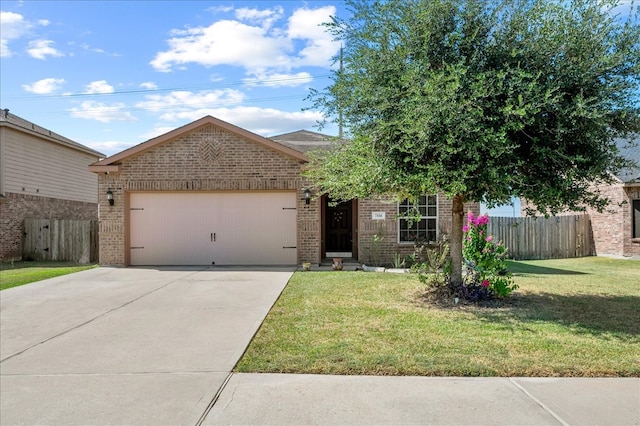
206, 159
17, 207
388, 228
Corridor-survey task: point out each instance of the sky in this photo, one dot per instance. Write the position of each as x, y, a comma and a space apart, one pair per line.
113, 74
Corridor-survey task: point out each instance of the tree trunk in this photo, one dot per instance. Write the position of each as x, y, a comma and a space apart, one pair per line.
457, 217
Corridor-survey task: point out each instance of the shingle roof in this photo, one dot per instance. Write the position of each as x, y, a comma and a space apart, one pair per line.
304, 140
12, 120
630, 149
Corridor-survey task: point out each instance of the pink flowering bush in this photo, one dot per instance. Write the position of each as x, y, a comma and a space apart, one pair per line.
485, 259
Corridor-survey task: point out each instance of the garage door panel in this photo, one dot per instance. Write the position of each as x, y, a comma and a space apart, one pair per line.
245, 228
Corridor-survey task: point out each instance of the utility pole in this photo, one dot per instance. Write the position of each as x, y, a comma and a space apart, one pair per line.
340, 111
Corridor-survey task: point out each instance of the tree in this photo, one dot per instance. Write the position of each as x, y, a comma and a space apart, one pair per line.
482, 100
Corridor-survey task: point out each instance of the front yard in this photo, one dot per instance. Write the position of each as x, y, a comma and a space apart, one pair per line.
571, 317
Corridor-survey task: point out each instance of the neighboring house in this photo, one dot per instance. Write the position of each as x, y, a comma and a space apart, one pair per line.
213, 193
616, 231
42, 176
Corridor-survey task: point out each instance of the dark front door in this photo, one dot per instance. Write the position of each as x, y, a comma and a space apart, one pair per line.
338, 227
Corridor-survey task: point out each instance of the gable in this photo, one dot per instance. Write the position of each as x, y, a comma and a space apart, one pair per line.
209, 153
203, 128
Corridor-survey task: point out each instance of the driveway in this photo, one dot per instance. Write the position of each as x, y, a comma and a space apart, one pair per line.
127, 346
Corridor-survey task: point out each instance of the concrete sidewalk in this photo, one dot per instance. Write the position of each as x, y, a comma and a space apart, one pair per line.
280, 399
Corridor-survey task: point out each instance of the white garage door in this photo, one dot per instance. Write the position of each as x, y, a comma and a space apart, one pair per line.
236, 228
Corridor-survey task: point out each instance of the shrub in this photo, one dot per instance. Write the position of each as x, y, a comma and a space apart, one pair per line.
485, 258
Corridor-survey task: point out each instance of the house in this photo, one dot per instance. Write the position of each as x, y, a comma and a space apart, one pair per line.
616, 231
211, 193
43, 175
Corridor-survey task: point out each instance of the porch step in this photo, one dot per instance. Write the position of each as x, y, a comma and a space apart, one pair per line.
345, 261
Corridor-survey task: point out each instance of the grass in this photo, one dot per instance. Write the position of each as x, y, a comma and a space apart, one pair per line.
19, 273
574, 317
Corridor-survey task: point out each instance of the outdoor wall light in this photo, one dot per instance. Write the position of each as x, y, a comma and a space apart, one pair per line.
307, 196
110, 197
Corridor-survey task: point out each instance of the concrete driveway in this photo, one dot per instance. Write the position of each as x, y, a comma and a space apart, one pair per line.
127, 346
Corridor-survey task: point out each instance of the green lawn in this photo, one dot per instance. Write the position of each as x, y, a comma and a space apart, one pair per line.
19, 273
574, 317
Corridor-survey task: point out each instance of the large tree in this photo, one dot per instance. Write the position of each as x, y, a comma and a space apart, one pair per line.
481, 100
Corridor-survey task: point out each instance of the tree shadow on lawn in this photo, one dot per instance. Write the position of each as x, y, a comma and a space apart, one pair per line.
524, 269
589, 313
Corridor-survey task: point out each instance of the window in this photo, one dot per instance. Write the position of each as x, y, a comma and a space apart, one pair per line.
636, 219
414, 230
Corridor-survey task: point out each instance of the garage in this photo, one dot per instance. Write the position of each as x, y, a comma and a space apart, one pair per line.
213, 228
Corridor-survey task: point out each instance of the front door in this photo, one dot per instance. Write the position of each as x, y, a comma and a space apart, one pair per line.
339, 229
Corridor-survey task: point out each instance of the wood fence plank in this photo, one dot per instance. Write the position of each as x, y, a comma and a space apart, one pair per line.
543, 238
61, 240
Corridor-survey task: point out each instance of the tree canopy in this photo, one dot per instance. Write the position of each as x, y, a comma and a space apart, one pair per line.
481, 100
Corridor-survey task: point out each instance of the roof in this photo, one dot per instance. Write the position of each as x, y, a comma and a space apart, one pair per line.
305, 140
630, 149
111, 164
20, 124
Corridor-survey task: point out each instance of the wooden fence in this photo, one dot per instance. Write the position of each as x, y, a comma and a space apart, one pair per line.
62, 240
555, 237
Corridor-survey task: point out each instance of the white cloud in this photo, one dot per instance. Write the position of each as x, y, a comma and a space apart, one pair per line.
149, 85
13, 26
110, 147
4, 48
279, 79
40, 49
45, 86
182, 100
306, 24
93, 110
100, 86
88, 48
221, 9
157, 131
253, 44
223, 43
265, 18
263, 121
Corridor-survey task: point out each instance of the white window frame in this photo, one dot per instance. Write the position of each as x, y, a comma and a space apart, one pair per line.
427, 217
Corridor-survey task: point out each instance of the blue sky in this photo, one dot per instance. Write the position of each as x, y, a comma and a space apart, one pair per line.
112, 74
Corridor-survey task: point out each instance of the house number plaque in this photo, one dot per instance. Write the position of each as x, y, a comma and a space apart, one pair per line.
378, 215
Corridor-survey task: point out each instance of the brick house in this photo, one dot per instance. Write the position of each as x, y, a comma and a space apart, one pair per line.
616, 231
210, 192
42, 176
